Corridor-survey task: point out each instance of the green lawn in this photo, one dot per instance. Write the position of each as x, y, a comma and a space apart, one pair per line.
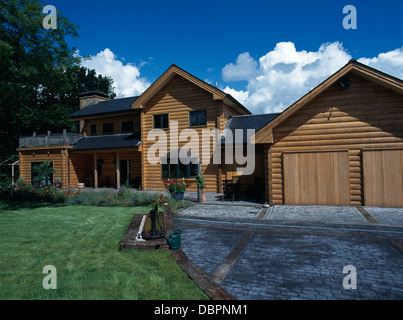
82, 243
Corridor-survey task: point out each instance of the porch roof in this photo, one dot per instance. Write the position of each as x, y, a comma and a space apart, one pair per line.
126, 140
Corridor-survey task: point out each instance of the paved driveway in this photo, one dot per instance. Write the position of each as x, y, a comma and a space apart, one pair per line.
276, 254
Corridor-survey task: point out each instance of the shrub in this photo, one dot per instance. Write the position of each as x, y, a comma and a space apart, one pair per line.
200, 181
176, 186
124, 197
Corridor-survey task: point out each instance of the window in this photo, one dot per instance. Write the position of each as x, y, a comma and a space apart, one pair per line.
93, 129
127, 126
41, 173
179, 170
107, 127
161, 121
197, 118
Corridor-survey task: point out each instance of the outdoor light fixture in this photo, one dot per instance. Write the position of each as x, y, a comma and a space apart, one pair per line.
344, 82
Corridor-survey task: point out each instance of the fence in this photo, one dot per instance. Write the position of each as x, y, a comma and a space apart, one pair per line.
49, 139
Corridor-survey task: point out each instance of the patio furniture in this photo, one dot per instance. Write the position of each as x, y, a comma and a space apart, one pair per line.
231, 188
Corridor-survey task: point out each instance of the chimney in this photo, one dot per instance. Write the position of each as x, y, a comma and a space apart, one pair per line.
91, 97
86, 99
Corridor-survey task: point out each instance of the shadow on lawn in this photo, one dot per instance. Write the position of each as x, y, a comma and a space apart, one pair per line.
11, 205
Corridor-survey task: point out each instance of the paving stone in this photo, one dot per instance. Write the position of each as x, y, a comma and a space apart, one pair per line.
389, 216
331, 214
300, 264
227, 211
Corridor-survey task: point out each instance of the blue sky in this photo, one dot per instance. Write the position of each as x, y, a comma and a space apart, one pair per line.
233, 42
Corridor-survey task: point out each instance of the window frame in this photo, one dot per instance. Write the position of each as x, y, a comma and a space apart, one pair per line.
93, 126
108, 123
127, 121
198, 119
161, 121
188, 167
48, 181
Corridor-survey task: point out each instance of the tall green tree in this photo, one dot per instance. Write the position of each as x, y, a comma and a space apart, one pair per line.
40, 76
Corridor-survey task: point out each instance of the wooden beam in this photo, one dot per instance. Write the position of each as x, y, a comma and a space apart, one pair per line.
95, 171
117, 170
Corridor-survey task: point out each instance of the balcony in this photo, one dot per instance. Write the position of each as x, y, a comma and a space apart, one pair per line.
49, 140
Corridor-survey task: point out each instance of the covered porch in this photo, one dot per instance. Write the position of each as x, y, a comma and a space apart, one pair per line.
106, 162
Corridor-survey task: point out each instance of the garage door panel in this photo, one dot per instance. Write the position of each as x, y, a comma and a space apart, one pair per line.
383, 178
316, 178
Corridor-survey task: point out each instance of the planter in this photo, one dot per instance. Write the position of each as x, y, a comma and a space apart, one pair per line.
177, 196
203, 195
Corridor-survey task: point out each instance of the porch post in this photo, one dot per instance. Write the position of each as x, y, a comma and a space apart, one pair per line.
117, 171
95, 171
199, 191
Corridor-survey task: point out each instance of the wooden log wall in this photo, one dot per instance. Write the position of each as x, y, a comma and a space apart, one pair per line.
56, 155
364, 115
80, 168
177, 98
117, 123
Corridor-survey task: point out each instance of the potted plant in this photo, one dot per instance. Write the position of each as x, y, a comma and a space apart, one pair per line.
177, 188
202, 186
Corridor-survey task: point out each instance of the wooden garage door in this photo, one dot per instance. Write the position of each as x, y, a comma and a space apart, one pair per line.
316, 178
383, 178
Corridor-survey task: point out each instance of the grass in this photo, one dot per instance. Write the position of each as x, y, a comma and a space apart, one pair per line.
82, 243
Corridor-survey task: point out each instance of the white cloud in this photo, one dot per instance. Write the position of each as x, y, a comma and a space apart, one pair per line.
239, 95
284, 75
390, 62
126, 77
243, 69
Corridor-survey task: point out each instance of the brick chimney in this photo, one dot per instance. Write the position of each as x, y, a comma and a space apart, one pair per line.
87, 98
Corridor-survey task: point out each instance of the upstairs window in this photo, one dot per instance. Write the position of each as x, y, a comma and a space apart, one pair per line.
127, 126
107, 127
93, 129
161, 121
197, 118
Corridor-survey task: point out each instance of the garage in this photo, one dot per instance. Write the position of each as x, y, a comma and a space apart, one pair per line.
316, 178
383, 177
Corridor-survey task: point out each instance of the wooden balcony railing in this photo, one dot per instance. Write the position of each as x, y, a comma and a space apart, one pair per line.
49, 139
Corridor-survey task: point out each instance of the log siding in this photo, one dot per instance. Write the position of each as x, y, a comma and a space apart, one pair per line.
365, 115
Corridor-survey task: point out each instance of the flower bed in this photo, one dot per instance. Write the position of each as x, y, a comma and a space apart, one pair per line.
123, 198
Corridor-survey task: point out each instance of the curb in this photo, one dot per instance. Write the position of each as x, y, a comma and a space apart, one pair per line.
202, 279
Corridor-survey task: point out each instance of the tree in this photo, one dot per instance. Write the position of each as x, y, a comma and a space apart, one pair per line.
40, 76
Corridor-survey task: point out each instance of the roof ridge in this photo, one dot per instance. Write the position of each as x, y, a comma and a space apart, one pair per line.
109, 135
253, 115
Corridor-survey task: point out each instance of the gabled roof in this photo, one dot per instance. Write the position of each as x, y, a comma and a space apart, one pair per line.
103, 107
110, 141
264, 135
171, 72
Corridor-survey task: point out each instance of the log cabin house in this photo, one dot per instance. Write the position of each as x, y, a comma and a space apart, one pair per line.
340, 144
